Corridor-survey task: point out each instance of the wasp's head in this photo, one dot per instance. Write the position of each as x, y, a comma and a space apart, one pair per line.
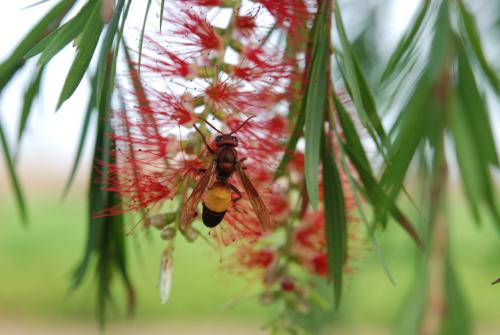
226, 140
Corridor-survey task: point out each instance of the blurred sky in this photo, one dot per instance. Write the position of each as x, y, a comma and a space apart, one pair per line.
49, 144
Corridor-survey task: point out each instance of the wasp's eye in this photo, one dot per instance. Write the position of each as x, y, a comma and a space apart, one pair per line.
234, 138
218, 138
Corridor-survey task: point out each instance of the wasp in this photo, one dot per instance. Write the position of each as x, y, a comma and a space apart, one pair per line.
214, 189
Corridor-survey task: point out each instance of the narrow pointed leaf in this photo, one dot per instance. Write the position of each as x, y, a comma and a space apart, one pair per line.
98, 198
106, 46
141, 38
357, 84
315, 100
357, 199
405, 44
457, 320
374, 193
63, 35
335, 220
351, 135
29, 97
473, 169
475, 110
47, 24
88, 42
83, 137
475, 40
162, 9
21, 204
292, 143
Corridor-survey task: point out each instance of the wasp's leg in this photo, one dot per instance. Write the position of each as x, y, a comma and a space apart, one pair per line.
201, 170
238, 193
204, 140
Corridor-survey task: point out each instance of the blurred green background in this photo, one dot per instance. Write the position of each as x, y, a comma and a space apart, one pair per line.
36, 263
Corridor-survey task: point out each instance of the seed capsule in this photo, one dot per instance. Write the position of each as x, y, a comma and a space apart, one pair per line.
167, 233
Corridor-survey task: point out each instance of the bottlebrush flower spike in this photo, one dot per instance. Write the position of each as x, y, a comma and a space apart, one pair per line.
194, 71
245, 25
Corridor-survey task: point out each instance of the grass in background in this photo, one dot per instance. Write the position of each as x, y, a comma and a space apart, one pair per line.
36, 265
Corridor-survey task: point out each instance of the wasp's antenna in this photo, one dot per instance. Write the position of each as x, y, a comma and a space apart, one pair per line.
211, 125
241, 125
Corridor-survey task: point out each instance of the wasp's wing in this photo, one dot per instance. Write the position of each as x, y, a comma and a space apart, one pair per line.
189, 207
256, 201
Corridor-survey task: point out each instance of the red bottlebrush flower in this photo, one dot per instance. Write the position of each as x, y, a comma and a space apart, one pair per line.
202, 3
287, 284
172, 110
320, 265
289, 14
166, 63
245, 25
261, 259
194, 32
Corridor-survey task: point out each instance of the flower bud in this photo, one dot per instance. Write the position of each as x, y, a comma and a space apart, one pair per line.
167, 233
287, 284
107, 7
165, 280
270, 276
191, 234
161, 220
267, 298
302, 306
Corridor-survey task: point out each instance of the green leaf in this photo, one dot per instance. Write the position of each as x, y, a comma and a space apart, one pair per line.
475, 41
410, 316
475, 110
405, 44
98, 198
94, 101
48, 23
368, 101
83, 137
29, 97
63, 35
162, 8
374, 193
88, 42
350, 133
105, 236
411, 129
354, 189
105, 48
358, 87
315, 100
335, 220
141, 38
292, 143
442, 46
473, 169
457, 319
21, 204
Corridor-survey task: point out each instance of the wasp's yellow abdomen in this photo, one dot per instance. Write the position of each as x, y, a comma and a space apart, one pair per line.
218, 198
